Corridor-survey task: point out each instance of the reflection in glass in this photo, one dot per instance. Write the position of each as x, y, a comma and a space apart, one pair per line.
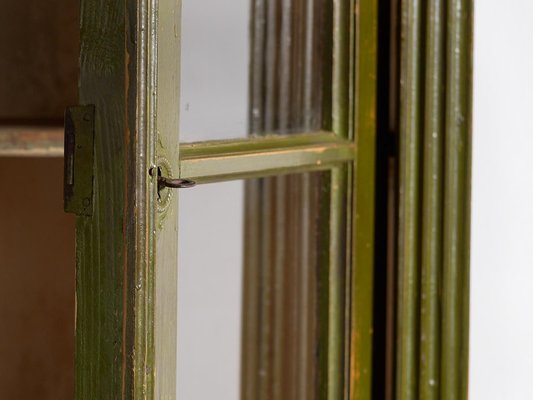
286, 251
253, 67
290, 51
286, 255
252, 281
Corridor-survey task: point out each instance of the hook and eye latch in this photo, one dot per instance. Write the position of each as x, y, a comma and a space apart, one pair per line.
171, 183
175, 183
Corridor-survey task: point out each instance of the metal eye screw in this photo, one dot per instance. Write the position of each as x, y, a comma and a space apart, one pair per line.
173, 183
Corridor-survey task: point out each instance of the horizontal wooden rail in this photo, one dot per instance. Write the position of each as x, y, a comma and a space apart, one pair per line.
262, 156
31, 141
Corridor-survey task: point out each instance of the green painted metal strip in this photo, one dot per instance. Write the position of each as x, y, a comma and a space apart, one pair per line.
411, 113
261, 156
456, 203
430, 304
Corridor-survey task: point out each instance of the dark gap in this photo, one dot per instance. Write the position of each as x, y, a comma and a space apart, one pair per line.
421, 152
30, 121
386, 151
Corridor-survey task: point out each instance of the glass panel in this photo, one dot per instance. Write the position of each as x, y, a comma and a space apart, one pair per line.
210, 291
253, 67
253, 294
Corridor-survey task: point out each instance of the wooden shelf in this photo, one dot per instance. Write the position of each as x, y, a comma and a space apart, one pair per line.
31, 141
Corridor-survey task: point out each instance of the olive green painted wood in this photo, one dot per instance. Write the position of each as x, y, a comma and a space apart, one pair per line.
166, 135
126, 255
431, 262
140, 192
157, 139
411, 112
103, 340
261, 156
123, 343
364, 43
456, 236
434, 180
341, 82
339, 267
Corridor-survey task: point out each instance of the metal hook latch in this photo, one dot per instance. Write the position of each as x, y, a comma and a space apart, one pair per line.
173, 183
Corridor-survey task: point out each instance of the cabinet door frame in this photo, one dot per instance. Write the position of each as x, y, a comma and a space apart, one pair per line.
126, 256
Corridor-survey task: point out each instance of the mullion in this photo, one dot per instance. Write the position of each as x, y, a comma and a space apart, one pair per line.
262, 156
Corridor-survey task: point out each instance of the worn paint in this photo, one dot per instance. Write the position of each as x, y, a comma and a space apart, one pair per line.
102, 351
261, 156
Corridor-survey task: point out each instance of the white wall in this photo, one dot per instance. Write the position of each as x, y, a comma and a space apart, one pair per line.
501, 342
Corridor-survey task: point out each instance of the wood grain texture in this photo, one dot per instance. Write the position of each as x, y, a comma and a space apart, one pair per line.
31, 141
127, 256
103, 342
36, 282
39, 63
165, 136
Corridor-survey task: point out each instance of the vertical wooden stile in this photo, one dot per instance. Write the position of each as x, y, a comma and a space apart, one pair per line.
435, 146
363, 44
103, 351
432, 217
411, 112
456, 255
126, 252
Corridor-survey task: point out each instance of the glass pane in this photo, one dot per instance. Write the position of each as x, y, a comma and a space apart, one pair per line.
253, 67
210, 291
253, 276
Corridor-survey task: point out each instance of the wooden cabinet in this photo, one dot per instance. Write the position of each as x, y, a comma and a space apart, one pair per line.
39, 43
